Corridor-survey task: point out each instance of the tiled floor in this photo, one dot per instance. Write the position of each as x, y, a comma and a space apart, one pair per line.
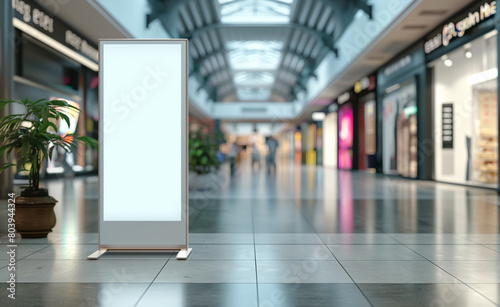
307, 236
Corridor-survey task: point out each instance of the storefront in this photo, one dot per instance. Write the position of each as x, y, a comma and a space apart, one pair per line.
462, 56
365, 128
346, 149
311, 144
330, 136
402, 116
54, 61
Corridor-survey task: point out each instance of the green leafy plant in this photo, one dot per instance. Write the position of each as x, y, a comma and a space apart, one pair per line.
32, 135
202, 153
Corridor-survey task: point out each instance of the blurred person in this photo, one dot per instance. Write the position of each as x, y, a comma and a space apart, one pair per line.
272, 145
255, 156
232, 155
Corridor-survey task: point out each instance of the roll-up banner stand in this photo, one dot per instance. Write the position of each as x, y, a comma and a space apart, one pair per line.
143, 173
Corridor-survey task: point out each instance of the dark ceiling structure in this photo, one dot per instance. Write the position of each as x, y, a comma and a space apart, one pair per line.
256, 50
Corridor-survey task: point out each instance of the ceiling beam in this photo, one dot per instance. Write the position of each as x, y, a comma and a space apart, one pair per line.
168, 13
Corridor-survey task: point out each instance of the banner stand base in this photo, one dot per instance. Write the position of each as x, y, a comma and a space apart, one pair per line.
183, 254
97, 254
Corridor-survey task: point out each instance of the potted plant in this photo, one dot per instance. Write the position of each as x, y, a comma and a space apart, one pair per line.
32, 138
202, 159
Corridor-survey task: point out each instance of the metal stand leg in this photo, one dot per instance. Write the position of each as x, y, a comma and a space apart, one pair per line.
97, 254
183, 254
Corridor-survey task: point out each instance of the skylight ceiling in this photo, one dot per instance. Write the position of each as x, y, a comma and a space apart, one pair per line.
256, 50
252, 94
252, 55
260, 78
255, 11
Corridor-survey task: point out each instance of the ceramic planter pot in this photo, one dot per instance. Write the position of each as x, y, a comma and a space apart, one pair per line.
35, 216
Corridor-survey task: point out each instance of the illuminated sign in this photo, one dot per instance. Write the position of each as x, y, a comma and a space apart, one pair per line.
398, 65
367, 83
452, 30
30, 13
344, 98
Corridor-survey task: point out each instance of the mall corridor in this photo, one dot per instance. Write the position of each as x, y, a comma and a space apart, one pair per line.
305, 236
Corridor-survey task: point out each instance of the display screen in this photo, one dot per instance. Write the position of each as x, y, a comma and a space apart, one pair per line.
345, 136
400, 129
141, 135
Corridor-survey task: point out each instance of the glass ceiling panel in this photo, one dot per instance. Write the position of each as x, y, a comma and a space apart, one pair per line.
254, 78
248, 55
255, 11
254, 94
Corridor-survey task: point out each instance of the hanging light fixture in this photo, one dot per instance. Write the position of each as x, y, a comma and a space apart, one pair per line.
446, 61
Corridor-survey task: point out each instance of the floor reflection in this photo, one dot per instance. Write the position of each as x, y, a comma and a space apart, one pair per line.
305, 236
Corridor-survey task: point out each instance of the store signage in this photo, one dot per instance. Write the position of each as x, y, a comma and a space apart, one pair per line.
32, 14
344, 98
38, 17
81, 45
447, 126
318, 116
398, 65
454, 29
367, 83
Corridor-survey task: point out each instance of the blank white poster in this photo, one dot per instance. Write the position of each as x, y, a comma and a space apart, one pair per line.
141, 131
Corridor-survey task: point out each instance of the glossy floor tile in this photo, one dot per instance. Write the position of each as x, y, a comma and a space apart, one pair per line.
212, 271
472, 271
456, 252
301, 272
490, 291
314, 295
396, 272
373, 252
293, 252
115, 294
306, 236
204, 294
76, 271
421, 294
221, 238
223, 252
287, 238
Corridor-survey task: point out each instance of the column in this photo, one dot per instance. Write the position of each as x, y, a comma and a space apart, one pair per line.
7, 50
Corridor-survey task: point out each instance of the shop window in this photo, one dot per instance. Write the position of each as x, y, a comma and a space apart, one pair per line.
466, 116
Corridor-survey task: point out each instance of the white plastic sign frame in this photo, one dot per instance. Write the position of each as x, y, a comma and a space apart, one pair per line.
143, 165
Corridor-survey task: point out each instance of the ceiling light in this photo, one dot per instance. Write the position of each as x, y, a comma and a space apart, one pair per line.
468, 54
448, 63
